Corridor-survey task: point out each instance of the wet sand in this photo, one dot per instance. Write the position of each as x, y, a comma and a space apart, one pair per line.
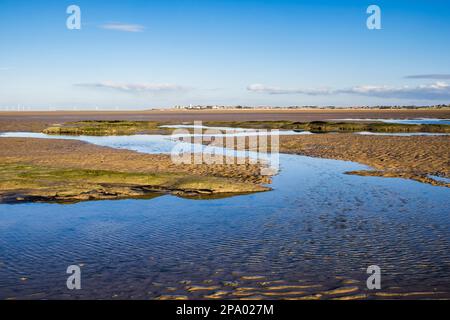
52, 161
38, 121
261, 288
407, 157
390, 156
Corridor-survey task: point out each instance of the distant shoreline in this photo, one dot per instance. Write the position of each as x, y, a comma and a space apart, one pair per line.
36, 121
249, 109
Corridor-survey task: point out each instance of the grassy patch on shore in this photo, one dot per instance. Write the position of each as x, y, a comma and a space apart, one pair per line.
23, 182
323, 126
118, 127
107, 128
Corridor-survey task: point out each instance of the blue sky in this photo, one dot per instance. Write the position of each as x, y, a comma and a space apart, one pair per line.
142, 54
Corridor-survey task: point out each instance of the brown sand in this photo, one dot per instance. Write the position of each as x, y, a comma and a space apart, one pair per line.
38, 121
408, 157
81, 155
391, 156
71, 171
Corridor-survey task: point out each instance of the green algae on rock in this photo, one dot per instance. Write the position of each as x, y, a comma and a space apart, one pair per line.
324, 126
106, 128
31, 183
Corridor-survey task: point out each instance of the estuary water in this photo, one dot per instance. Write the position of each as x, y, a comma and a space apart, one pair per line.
403, 121
313, 236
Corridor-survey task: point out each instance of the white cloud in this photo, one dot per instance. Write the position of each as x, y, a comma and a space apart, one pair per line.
434, 76
434, 91
438, 90
123, 27
276, 90
135, 87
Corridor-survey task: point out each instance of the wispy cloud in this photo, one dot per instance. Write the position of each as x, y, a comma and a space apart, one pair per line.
434, 91
434, 76
123, 27
277, 90
135, 87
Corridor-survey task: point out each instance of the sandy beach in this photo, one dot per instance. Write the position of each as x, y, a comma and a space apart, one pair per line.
415, 158
391, 156
63, 170
38, 121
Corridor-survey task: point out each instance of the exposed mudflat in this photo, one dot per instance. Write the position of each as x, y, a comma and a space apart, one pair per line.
312, 237
391, 156
38, 121
64, 171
